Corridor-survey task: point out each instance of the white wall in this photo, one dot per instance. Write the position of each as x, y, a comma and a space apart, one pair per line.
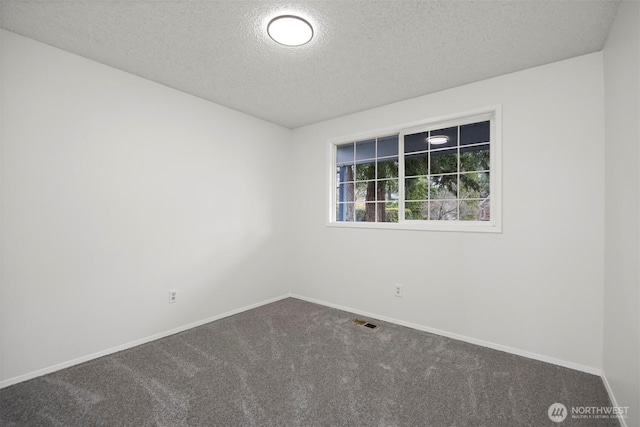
622, 212
538, 286
115, 190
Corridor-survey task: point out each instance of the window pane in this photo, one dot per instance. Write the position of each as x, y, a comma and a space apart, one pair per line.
416, 142
366, 171
387, 212
365, 191
475, 210
366, 150
442, 180
345, 173
416, 188
344, 153
443, 186
388, 169
388, 146
365, 212
474, 185
416, 164
475, 133
345, 193
345, 212
450, 133
476, 158
444, 161
387, 190
443, 210
416, 210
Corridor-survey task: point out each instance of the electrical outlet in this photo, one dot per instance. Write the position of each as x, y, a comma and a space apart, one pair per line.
398, 290
173, 296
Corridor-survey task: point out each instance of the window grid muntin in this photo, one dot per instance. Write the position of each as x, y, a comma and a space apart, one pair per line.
375, 160
458, 150
490, 137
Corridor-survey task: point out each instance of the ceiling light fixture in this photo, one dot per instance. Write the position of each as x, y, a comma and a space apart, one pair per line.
290, 30
438, 139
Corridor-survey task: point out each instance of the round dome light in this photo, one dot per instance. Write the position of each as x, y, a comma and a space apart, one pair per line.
290, 30
438, 139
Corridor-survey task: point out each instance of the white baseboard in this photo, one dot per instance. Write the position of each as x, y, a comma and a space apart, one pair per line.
612, 397
63, 365
455, 336
488, 344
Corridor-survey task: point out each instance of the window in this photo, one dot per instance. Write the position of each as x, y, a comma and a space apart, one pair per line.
367, 180
440, 175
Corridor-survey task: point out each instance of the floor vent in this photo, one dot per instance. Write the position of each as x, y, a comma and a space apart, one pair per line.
364, 323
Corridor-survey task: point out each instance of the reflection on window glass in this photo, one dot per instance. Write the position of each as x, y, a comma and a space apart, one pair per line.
444, 161
416, 142
344, 154
443, 187
388, 146
474, 185
443, 210
475, 158
416, 210
345, 173
366, 170
387, 211
475, 133
436, 174
388, 168
475, 210
345, 193
373, 165
366, 150
365, 190
452, 166
417, 164
366, 212
387, 190
416, 188
443, 138
345, 212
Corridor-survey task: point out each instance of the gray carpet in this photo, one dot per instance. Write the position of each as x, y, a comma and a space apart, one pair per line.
293, 363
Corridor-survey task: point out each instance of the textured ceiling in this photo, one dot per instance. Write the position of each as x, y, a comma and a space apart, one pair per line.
365, 53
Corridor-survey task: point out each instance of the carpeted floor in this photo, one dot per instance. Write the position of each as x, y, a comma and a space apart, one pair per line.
294, 363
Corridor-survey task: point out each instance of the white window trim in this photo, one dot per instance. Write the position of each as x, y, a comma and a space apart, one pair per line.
492, 226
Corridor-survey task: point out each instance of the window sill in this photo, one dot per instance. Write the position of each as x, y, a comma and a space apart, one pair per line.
468, 227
